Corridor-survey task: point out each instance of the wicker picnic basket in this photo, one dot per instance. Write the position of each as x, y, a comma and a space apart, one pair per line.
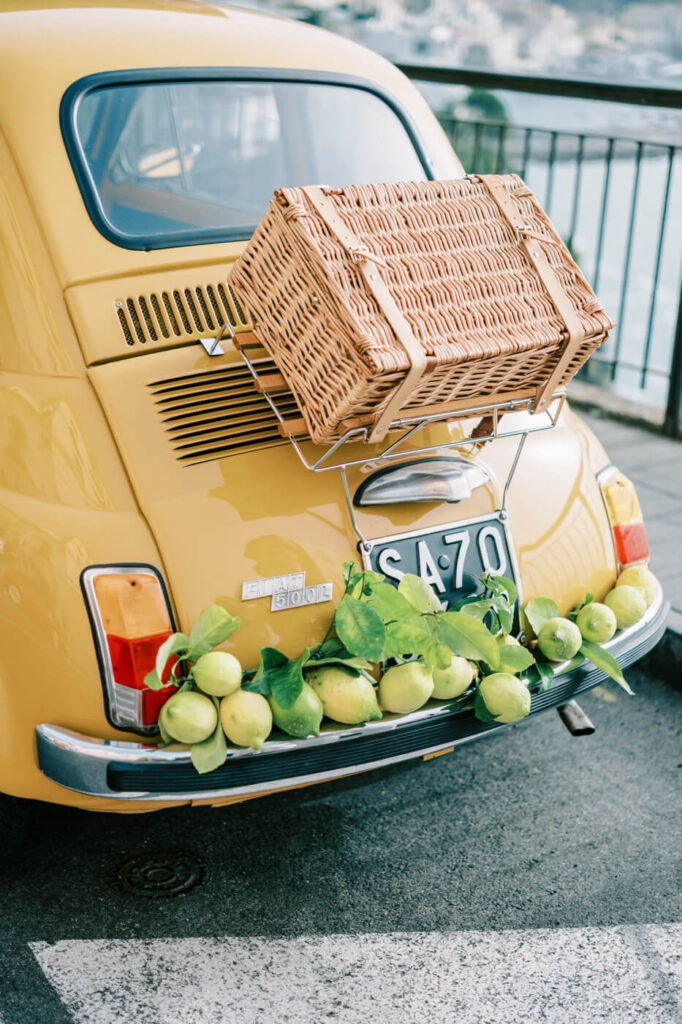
379, 301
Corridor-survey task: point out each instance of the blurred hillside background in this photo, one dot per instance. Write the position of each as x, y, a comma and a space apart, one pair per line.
611, 40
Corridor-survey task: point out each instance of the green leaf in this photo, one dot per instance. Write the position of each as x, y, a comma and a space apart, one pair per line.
502, 586
348, 570
212, 627
270, 659
286, 681
404, 639
468, 638
175, 643
349, 663
437, 656
606, 662
539, 610
357, 664
330, 648
360, 629
373, 578
481, 708
510, 588
497, 607
153, 681
505, 617
419, 593
211, 752
515, 659
389, 603
540, 677
351, 577
477, 609
279, 676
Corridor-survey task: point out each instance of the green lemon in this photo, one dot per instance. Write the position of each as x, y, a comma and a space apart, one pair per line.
454, 680
643, 579
303, 717
347, 697
627, 604
505, 696
189, 717
217, 673
596, 622
405, 688
505, 640
559, 639
246, 718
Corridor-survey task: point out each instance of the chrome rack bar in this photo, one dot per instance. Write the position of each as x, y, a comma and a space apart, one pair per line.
411, 425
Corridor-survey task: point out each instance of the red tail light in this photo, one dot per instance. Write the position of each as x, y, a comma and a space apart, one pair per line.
632, 545
625, 516
131, 617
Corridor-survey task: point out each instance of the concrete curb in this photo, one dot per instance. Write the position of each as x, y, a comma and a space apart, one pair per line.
607, 405
665, 661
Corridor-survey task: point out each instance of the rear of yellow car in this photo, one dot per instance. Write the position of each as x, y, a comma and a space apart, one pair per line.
143, 478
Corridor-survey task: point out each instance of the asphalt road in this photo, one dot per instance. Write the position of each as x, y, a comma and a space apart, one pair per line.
528, 877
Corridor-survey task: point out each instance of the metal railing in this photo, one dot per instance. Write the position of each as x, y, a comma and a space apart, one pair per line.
617, 201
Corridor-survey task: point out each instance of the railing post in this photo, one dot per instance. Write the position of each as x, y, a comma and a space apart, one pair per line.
671, 423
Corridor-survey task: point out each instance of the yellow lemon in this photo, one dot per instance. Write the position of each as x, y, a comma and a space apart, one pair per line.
217, 673
642, 578
347, 697
405, 688
454, 680
627, 604
189, 717
505, 696
246, 718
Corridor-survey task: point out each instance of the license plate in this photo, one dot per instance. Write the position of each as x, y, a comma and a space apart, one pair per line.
451, 558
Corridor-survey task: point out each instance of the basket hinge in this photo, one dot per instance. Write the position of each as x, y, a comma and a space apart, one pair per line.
366, 262
530, 242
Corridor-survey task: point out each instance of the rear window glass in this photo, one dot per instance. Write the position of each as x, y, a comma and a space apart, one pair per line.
176, 163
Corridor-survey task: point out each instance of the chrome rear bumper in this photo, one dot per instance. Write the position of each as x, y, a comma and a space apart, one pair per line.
138, 771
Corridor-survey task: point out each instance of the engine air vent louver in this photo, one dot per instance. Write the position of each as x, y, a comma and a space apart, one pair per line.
180, 313
216, 413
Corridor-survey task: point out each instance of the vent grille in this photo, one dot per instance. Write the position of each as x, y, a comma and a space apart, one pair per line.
216, 413
180, 313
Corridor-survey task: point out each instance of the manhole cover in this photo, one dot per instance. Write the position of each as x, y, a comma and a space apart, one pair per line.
160, 874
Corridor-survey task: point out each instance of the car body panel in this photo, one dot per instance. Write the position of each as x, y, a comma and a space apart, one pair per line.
263, 514
89, 473
36, 335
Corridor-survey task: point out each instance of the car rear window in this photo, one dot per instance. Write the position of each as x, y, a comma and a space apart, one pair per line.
166, 163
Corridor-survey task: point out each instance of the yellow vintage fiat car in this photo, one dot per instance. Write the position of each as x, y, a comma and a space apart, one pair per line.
144, 478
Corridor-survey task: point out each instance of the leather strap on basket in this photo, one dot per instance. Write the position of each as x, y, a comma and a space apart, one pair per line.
367, 264
561, 301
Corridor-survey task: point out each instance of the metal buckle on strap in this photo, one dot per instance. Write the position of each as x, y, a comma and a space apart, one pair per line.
524, 231
360, 254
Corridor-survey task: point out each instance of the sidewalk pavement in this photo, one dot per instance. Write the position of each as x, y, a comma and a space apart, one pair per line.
654, 464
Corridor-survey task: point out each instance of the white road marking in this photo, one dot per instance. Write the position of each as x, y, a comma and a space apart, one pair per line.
614, 975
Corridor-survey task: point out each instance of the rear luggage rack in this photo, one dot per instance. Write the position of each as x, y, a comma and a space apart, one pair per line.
274, 389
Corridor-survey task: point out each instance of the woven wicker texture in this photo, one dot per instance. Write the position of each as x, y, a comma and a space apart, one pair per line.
458, 273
